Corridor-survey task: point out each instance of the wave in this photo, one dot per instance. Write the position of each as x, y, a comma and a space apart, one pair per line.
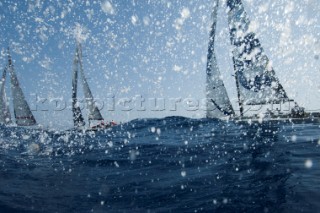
170, 164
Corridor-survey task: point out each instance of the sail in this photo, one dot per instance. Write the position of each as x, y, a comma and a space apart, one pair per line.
5, 116
94, 113
256, 78
22, 112
218, 102
77, 115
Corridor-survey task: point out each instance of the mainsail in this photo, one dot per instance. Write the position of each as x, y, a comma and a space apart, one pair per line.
5, 116
218, 102
22, 112
94, 113
256, 78
77, 115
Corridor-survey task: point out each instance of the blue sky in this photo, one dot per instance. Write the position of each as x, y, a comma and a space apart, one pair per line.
156, 49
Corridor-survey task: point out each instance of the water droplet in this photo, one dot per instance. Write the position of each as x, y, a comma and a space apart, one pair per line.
308, 164
225, 201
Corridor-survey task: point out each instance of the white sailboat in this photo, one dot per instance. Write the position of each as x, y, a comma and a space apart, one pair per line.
22, 113
93, 111
255, 78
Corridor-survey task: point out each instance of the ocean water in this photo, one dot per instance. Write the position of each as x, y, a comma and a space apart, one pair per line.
173, 164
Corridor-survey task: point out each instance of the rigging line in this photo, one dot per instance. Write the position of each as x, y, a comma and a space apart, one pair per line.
220, 109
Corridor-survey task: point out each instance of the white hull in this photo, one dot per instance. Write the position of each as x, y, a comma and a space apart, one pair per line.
288, 118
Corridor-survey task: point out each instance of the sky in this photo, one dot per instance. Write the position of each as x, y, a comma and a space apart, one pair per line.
154, 50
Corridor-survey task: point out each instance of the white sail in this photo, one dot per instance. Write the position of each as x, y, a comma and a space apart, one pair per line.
77, 115
218, 102
22, 112
5, 116
257, 82
94, 113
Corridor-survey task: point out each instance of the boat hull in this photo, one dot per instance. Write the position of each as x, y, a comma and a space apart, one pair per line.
283, 118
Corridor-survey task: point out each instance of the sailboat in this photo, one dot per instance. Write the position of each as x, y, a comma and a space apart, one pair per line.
22, 113
93, 111
256, 81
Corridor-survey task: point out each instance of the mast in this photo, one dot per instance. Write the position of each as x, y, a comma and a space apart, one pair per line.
22, 112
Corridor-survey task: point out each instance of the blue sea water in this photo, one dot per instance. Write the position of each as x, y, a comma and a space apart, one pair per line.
173, 164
